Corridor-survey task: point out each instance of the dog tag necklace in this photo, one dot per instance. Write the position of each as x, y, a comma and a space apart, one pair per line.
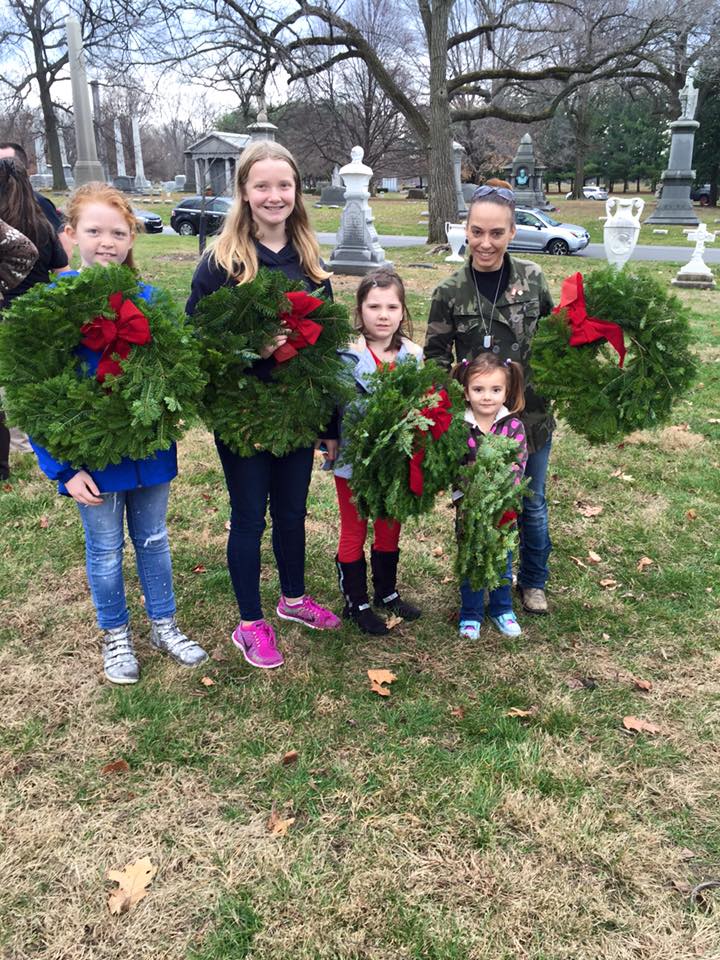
486, 324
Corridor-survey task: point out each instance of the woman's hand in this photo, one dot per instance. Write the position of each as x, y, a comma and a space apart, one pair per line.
278, 341
83, 489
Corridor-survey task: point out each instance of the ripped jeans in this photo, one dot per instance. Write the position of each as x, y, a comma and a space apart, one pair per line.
146, 508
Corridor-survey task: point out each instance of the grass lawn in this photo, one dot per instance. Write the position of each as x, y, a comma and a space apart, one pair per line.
428, 825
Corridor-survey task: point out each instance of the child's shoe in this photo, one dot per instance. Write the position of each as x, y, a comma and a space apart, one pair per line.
257, 644
309, 613
470, 629
166, 636
120, 664
507, 624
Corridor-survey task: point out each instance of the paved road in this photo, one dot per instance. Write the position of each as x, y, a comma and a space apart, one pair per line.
641, 252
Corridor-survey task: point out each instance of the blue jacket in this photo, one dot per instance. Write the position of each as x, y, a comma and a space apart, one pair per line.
363, 365
126, 475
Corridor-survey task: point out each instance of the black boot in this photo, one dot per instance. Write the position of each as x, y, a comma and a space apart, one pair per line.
384, 574
4, 449
352, 578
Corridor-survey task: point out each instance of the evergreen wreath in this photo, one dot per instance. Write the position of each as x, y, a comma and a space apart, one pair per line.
488, 491
296, 403
384, 430
598, 398
144, 401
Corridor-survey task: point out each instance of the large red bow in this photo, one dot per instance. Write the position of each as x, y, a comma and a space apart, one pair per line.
116, 336
440, 418
304, 331
587, 329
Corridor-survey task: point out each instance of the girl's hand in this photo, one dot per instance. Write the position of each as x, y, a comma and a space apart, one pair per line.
83, 489
270, 349
331, 449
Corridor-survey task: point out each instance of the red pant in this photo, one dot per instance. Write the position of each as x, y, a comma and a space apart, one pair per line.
353, 530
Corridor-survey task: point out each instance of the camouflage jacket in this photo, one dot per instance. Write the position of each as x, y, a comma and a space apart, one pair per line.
455, 330
17, 256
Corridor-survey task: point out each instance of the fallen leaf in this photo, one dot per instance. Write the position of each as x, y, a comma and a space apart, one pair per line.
588, 510
578, 562
517, 712
44, 523
458, 712
594, 557
682, 886
616, 473
686, 854
640, 726
206, 496
447, 580
290, 757
438, 551
609, 583
218, 655
575, 683
227, 525
7, 487
393, 622
378, 679
199, 569
207, 681
115, 766
644, 562
277, 826
133, 881
691, 514
606, 636
642, 684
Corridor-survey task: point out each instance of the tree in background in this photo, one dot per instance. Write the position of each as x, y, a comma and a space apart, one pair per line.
706, 158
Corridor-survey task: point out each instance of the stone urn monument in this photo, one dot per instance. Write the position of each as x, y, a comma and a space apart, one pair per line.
455, 232
675, 205
358, 249
622, 228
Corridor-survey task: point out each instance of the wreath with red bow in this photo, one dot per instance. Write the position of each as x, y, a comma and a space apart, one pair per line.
146, 383
285, 402
405, 441
615, 354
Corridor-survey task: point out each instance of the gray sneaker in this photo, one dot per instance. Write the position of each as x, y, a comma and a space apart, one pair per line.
165, 635
119, 660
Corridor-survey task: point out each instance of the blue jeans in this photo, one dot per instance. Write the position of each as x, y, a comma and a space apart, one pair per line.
472, 602
146, 508
251, 482
535, 545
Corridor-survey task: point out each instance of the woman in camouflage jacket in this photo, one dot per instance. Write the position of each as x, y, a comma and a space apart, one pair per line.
494, 302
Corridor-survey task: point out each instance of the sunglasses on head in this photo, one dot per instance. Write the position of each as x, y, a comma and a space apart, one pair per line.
507, 195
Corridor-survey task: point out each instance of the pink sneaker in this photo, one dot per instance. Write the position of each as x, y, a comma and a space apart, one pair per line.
257, 644
309, 613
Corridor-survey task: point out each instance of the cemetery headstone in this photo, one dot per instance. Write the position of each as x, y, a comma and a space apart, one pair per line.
358, 249
119, 151
87, 165
141, 183
525, 174
696, 272
675, 205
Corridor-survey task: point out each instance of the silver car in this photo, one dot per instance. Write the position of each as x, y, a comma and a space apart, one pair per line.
537, 231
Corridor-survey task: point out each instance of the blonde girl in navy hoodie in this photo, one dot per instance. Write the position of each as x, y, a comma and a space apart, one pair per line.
267, 226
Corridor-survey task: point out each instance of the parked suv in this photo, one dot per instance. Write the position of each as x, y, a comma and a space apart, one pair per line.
536, 230
701, 194
185, 218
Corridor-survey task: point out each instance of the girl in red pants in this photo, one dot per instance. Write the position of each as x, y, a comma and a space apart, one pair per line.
383, 325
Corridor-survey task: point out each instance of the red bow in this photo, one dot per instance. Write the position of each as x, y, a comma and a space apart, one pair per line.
508, 517
304, 331
587, 329
115, 337
440, 418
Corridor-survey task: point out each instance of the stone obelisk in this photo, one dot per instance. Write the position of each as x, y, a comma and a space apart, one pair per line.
675, 205
119, 152
87, 165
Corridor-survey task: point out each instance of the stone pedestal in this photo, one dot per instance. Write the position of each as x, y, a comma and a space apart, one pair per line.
87, 166
675, 205
262, 129
358, 249
526, 176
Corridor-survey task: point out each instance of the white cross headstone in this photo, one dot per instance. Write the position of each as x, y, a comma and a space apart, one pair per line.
696, 272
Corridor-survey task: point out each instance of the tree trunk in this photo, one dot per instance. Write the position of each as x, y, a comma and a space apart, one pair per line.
442, 202
51, 129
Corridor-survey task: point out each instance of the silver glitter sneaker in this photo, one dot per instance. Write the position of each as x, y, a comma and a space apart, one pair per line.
165, 635
119, 660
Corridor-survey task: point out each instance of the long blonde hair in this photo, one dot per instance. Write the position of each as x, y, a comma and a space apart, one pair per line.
97, 192
234, 250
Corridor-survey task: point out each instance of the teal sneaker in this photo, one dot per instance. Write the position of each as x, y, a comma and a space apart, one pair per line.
470, 629
507, 624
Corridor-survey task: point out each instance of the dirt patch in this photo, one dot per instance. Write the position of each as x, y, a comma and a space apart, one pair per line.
675, 438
